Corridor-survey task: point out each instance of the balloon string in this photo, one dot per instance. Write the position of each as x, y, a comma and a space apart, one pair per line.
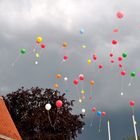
100, 124
122, 86
92, 122
130, 82
49, 118
16, 60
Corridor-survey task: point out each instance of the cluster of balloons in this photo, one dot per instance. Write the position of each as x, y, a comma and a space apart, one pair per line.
58, 104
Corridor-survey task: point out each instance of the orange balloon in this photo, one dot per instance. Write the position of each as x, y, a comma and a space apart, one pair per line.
92, 82
58, 76
65, 44
56, 86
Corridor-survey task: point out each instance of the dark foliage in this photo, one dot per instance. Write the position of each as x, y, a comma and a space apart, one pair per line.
27, 108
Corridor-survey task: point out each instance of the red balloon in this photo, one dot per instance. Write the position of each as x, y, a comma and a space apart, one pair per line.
59, 103
132, 103
75, 82
116, 30
100, 66
120, 65
94, 57
90, 98
81, 77
120, 58
65, 57
43, 46
112, 61
123, 73
94, 109
120, 14
103, 114
111, 54
114, 42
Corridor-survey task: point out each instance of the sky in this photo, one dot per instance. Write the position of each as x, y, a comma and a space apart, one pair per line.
60, 21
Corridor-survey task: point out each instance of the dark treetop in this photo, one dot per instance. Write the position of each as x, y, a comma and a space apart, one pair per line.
34, 122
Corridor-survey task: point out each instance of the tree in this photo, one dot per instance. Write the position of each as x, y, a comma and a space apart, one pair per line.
34, 122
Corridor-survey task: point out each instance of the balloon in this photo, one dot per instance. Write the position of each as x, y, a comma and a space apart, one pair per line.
36, 62
65, 79
114, 42
75, 82
99, 113
92, 82
132, 103
58, 76
100, 66
65, 57
65, 44
103, 114
112, 61
37, 55
120, 65
23, 51
81, 31
48, 106
56, 86
94, 57
43, 46
59, 103
39, 39
89, 61
120, 15
83, 91
80, 100
84, 46
90, 98
120, 58
81, 77
124, 55
94, 109
111, 54
123, 73
116, 30
133, 74
83, 110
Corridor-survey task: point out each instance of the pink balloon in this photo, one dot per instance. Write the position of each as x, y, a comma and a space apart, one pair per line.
81, 77
112, 61
59, 103
43, 45
120, 58
100, 66
116, 30
94, 109
75, 82
120, 65
114, 42
123, 73
103, 114
65, 57
94, 57
111, 54
120, 14
132, 103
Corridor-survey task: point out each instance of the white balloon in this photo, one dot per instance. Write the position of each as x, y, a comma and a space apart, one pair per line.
83, 110
48, 106
65, 78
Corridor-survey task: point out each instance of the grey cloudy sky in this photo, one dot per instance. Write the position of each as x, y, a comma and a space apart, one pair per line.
57, 21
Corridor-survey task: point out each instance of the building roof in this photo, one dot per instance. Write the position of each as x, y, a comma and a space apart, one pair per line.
8, 130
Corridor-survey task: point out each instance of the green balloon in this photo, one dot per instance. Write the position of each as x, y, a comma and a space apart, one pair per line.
124, 54
133, 74
23, 51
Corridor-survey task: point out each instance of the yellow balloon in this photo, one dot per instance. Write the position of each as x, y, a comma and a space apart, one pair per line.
89, 61
56, 86
37, 55
39, 39
83, 91
92, 82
